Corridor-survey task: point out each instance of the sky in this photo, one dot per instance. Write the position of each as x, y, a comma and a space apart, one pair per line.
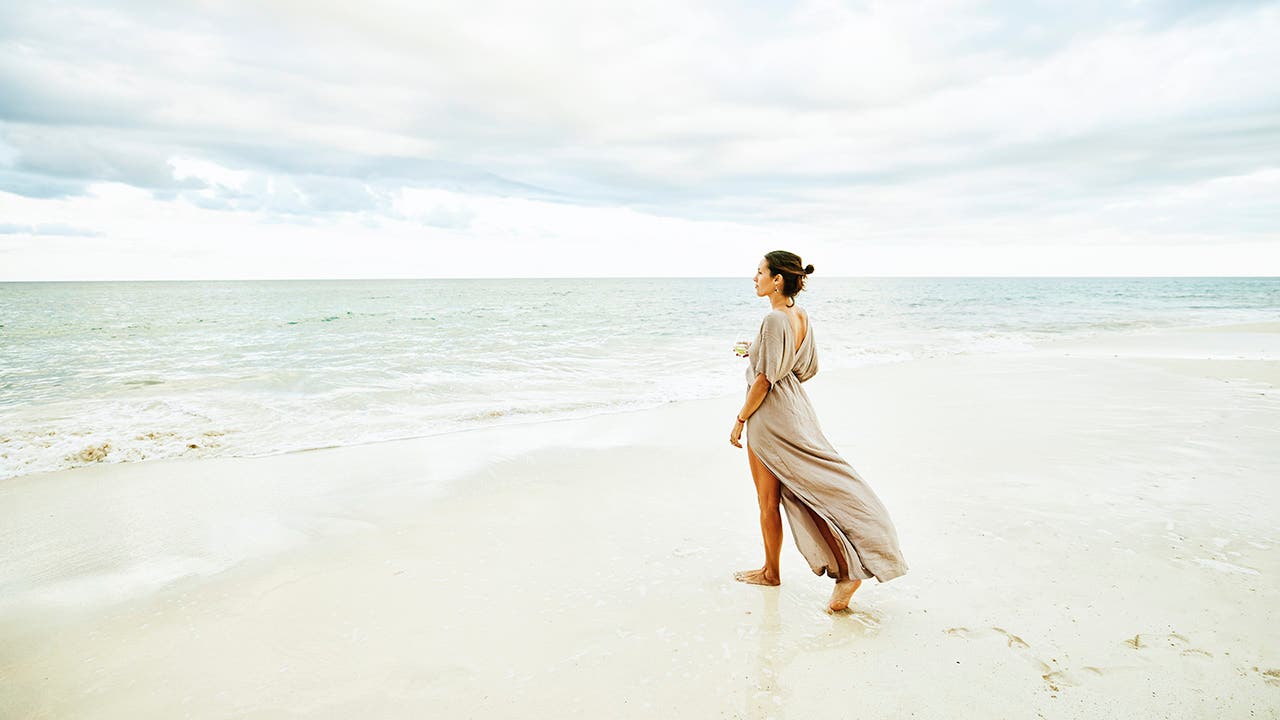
273, 139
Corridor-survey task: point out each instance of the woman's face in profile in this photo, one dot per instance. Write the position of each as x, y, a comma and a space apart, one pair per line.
764, 279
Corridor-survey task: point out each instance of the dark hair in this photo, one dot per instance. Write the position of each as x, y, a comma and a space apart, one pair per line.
788, 266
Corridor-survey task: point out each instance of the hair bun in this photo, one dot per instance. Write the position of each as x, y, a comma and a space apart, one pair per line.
808, 269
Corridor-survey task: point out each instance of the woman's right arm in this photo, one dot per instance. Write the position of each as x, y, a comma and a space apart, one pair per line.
755, 396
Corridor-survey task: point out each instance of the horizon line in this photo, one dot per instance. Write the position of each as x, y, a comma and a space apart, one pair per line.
637, 277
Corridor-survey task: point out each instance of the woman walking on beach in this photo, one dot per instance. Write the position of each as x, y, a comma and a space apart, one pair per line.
839, 524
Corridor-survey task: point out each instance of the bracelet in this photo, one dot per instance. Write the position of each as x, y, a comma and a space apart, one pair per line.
744, 422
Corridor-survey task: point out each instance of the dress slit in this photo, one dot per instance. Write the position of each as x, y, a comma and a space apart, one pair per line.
852, 558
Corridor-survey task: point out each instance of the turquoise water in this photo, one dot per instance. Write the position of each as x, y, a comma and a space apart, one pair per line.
129, 371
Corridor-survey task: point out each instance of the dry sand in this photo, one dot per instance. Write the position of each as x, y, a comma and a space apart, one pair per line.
1091, 529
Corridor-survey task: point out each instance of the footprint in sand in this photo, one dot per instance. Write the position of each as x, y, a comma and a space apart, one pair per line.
1172, 641
866, 618
1270, 677
1013, 640
1146, 643
1054, 678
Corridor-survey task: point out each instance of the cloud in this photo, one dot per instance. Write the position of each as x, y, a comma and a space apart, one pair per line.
62, 152
914, 123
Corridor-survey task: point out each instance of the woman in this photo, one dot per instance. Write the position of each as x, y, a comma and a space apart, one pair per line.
838, 523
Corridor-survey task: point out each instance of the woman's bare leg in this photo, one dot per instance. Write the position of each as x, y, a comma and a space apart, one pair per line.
842, 565
845, 586
768, 489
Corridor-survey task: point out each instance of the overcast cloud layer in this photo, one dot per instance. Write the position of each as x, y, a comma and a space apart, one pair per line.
387, 139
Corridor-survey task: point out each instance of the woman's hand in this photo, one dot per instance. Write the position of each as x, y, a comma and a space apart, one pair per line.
736, 434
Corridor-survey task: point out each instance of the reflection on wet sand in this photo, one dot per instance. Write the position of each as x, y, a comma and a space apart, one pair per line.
780, 643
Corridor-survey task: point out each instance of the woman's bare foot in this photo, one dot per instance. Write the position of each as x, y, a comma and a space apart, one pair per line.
757, 577
843, 591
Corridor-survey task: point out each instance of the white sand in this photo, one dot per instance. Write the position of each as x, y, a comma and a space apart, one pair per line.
1091, 529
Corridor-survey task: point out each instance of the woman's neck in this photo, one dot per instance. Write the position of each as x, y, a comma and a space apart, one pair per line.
779, 301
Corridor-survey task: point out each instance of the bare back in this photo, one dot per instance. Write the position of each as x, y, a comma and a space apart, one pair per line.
799, 320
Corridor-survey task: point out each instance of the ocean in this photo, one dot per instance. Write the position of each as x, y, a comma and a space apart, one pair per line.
131, 371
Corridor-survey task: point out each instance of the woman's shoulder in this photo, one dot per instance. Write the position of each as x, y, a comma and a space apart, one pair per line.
779, 320
783, 316
774, 318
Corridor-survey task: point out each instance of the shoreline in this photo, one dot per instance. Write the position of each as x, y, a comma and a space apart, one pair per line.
1088, 533
1084, 341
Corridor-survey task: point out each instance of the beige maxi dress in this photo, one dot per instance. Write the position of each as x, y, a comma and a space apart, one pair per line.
783, 432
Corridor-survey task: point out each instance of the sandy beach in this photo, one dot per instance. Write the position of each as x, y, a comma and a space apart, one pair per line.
1090, 526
